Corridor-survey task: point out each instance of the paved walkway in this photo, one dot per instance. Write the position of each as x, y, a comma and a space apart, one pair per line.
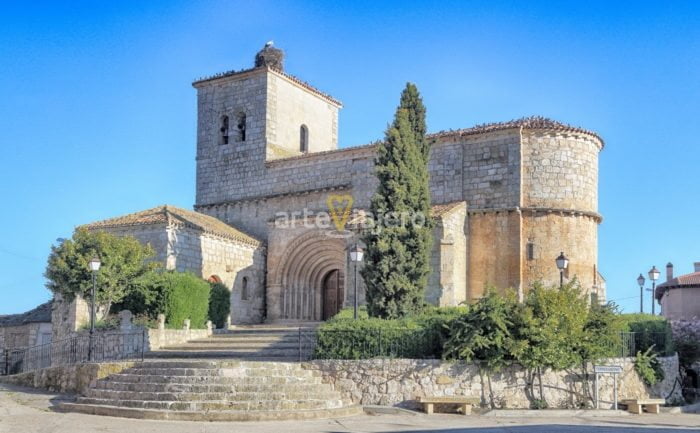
24, 410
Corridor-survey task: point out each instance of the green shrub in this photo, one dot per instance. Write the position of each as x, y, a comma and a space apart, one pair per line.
485, 333
219, 304
106, 324
189, 299
178, 295
649, 331
420, 336
648, 367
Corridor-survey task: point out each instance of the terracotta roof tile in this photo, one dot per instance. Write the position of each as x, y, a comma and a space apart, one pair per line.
40, 314
438, 210
691, 280
167, 214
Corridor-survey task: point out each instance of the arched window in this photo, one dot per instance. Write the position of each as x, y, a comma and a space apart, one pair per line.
223, 130
241, 125
244, 289
304, 139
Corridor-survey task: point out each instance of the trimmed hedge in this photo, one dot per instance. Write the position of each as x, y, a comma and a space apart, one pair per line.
178, 295
416, 337
219, 304
189, 299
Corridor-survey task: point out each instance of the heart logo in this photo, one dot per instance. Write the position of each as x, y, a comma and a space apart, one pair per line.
340, 207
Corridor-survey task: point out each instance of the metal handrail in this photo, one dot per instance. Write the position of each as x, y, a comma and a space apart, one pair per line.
107, 346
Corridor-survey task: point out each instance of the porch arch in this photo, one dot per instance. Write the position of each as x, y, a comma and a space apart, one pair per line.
302, 268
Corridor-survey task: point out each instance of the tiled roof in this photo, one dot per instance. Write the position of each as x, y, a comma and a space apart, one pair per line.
292, 78
40, 314
438, 210
167, 214
532, 122
687, 281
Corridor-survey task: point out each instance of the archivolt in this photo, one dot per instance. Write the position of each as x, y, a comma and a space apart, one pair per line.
304, 264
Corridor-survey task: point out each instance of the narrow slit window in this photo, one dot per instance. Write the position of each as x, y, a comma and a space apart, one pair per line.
244, 289
241, 125
223, 130
303, 139
530, 251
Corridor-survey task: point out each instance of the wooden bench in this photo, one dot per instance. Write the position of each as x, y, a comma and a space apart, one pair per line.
638, 405
463, 403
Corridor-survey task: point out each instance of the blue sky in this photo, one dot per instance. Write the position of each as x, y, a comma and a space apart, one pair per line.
97, 115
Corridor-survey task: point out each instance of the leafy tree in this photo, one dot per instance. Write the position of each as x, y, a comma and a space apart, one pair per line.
485, 332
551, 325
398, 246
124, 259
219, 304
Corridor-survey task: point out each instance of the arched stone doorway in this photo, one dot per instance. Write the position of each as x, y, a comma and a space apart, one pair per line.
296, 289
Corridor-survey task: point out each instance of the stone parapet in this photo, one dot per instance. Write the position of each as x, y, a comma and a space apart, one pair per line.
398, 382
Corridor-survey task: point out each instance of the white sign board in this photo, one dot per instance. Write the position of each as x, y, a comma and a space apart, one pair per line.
607, 369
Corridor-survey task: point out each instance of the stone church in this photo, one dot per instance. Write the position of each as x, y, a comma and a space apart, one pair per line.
507, 199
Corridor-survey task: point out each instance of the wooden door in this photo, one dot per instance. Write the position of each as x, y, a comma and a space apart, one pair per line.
332, 294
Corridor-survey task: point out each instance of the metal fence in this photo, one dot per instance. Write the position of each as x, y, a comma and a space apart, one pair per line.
75, 350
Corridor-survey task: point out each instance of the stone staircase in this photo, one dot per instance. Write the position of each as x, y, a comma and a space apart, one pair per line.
253, 343
213, 391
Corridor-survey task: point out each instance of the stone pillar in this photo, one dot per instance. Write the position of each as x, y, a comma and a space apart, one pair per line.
186, 324
161, 322
210, 326
125, 317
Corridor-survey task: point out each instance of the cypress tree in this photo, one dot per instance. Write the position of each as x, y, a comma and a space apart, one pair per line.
398, 246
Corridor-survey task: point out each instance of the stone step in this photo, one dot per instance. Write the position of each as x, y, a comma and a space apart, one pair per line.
306, 404
234, 396
223, 354
273, 415
206, 364
219, 372
242, 385
235, 346
211, 380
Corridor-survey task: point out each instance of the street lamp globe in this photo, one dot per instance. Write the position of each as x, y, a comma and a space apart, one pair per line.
356, 253
562, 262
641, 280
95, 264
654, 273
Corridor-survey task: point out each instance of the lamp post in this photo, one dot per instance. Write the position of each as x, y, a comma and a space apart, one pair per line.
356, 254
562, 264
94, 267
640, 281
653, 276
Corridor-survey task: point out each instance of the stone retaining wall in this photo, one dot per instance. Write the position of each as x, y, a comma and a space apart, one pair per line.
398, 382
71, 378
159, 338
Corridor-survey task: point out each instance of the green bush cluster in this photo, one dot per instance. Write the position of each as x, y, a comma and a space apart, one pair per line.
648, 367
420, 336
178, 295
649, 331
219, 304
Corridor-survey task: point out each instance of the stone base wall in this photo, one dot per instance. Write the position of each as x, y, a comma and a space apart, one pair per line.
72, 379
158, 338
398, 382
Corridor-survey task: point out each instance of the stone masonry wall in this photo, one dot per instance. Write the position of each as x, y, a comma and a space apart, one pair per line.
447, 284
288, 107
399, 382
560, 170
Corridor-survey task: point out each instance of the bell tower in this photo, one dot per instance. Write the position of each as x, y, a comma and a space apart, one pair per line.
249, 117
